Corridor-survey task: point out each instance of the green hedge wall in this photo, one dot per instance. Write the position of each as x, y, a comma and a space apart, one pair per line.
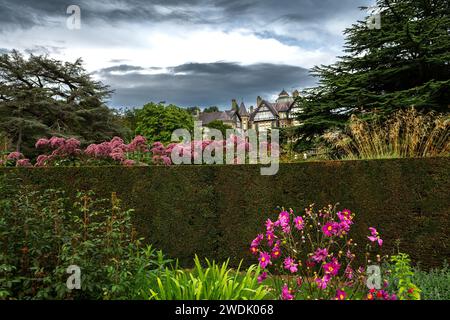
215, 211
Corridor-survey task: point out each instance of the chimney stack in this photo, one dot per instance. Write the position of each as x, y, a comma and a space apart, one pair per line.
234, 105
258, 101
251, 109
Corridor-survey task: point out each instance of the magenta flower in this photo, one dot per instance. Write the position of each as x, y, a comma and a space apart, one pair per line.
299, 223
262, 277
348, 273
269, 225
345, 215
290, 265
332, 268
322, 283
286, 293
270, 237
330, 229
257, 240
276, 253
340, 295
375, 237
264, 259
254, 250
283, 219
320, 255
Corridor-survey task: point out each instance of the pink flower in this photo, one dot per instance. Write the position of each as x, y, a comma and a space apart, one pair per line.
340, 295
128, 163
23, 163
270, 237
269, 225
299, 223
264, 259
257, 240
42, 143
374, 237
320, 255
345, 215
331, 268
330, 229
283, 219
322, 283
262, 277
290, 265
118, 156
276, 252
15, 156
166, 160
253, 250
348, 272
56, 142
286, 293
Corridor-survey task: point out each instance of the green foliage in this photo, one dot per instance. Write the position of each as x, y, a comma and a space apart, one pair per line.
213, 282
402, 64
435, 284
211, 109
217, 218
157, 122
42, 233
42, 97
402, 274
219, 125
193, 110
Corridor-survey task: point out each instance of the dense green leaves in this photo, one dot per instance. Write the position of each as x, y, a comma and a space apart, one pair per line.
404, 63
157, 122
42, 97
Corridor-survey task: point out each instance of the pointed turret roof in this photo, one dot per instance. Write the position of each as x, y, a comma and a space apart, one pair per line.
283, 94
243, 110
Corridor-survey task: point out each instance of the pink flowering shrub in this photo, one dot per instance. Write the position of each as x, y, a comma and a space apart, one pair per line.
58, 151
14, 159
311, 256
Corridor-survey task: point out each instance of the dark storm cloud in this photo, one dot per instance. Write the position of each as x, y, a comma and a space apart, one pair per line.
27, 13
205, 83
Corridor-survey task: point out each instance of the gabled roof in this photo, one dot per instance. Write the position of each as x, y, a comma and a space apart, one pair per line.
267, 104
207, 117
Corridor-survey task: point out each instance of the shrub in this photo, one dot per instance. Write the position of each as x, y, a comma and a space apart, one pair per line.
213, 282
311, 256
402, 274
434, 284
42, 233
408, 133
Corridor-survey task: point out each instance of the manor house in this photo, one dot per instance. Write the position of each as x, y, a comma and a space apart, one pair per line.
267, 115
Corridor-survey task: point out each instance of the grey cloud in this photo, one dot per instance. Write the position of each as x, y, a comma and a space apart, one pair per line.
26, 13
120, 68
206, 84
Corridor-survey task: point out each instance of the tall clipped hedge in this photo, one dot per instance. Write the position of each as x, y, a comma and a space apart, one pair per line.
215, 211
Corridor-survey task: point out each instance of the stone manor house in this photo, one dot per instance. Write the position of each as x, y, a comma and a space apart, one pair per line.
266, 115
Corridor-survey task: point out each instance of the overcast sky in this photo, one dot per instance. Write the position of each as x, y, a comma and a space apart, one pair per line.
186, 52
